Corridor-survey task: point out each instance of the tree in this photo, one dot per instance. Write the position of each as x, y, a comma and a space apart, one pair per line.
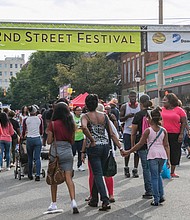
35, 83
91, 74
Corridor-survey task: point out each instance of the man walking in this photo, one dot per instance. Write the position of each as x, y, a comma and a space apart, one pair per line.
127, 113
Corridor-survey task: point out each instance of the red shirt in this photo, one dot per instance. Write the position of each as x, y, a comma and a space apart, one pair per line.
60, 131
171, 119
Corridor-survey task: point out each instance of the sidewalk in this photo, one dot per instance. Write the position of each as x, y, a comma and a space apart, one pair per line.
27, 200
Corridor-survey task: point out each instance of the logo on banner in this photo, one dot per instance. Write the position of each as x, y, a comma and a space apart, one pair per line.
176, 37
159, 38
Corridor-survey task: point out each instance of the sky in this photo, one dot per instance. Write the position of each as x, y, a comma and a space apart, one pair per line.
92, 11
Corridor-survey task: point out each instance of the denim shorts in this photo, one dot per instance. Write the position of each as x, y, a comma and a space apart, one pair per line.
127, 141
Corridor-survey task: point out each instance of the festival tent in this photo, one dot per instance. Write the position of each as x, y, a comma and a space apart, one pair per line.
76, 98
80, 101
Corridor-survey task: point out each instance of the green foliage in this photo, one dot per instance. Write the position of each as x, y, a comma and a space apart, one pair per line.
35, 83
39, 80
91, 74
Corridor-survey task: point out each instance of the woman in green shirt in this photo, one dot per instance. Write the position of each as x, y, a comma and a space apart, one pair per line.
79, 136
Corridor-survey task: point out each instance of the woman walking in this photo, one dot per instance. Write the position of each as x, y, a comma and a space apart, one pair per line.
6, 131
33, 128
79, 137
158, 151
174, 121
62, 129
23, 115
94, 127
108, 180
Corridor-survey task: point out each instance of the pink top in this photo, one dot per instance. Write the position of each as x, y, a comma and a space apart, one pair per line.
157, 150
171, 119
6, 133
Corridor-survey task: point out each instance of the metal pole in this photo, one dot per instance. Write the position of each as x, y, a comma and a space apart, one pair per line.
160, 79
138, 91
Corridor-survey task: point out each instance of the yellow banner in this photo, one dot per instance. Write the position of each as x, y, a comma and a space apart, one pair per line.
70, 40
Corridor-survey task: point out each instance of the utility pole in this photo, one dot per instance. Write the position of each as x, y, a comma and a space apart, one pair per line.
160, 78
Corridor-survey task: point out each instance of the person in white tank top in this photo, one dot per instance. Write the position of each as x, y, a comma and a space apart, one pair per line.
127, 113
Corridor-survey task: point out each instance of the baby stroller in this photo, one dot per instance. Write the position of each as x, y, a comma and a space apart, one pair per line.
45, 152
21, 168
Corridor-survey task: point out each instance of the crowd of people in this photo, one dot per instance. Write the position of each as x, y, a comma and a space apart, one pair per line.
154, 135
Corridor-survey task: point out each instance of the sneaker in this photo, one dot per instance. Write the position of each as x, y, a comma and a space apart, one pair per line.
174, 175
147, 196
135, 173
162, 200
37, 178
52, 206
81, 168
93, 203
74, 207
8, 168
126, 172
75, 210
154, 203
30, 177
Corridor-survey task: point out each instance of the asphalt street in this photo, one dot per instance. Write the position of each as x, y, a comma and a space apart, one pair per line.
27, 200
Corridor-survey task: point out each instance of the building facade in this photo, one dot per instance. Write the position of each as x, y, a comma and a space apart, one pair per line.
133, 63
9, 68
176, 69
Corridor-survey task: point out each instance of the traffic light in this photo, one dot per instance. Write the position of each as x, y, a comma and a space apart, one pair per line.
4, 92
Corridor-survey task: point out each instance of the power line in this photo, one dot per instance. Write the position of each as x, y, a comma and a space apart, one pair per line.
99, 19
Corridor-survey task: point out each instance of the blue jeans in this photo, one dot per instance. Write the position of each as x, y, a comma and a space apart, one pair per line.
146, 171
155, 166
97, 156
5, 146
77, 147
34, 145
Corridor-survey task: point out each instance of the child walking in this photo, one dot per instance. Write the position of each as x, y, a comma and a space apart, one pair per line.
158, 151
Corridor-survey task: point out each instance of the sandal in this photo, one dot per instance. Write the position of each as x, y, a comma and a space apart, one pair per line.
88, 199
112, 200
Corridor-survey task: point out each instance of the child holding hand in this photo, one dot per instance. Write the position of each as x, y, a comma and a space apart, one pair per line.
158, 151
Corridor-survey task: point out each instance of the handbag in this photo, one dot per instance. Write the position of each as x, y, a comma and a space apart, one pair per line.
55, 175
110, 166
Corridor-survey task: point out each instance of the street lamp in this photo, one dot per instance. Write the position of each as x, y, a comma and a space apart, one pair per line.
137, 80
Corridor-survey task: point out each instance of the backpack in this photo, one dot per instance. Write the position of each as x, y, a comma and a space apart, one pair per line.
145, 124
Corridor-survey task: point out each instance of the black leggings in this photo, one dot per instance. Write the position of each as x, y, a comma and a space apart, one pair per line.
175, 149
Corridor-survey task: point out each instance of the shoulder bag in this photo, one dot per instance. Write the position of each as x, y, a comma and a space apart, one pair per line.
158, 135
55, 175
110, 166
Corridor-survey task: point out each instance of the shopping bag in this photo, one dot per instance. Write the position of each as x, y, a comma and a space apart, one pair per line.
165, 171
